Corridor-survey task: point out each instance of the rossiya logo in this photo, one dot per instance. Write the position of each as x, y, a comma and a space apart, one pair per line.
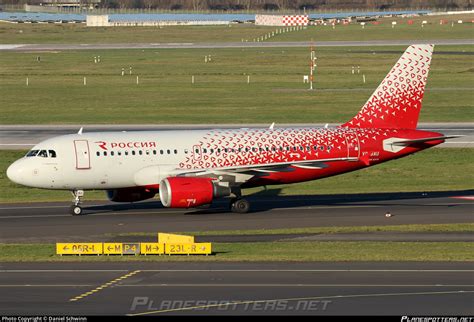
103, 145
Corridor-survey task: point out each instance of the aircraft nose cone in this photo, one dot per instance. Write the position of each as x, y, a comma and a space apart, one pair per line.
15, 172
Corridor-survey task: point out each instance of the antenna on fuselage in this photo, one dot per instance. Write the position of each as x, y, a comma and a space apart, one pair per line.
80, 131
326, 126
272, 126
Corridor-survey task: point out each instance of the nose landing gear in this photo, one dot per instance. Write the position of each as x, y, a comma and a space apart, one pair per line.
75, 209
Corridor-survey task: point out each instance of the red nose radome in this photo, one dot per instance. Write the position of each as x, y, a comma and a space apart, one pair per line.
396, 103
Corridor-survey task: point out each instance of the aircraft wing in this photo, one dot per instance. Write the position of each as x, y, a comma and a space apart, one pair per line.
242, 173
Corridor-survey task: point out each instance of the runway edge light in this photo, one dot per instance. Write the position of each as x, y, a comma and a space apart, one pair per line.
79, 249
174, 239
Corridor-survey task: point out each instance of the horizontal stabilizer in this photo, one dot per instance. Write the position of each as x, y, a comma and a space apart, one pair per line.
423, 140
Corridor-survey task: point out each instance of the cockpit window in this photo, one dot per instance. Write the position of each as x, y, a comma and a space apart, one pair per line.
41, 153
32, 153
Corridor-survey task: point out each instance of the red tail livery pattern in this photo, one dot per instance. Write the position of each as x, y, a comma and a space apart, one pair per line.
226, 148
396, 103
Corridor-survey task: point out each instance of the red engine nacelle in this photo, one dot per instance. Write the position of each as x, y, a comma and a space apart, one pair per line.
185, 192
130, 194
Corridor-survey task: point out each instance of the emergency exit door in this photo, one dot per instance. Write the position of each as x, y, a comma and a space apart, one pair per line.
83, 160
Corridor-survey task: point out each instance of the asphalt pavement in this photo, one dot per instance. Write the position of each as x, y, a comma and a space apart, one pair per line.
142, 289
26, 136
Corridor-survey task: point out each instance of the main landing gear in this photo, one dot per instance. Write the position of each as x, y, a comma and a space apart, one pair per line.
75, 209
238, 204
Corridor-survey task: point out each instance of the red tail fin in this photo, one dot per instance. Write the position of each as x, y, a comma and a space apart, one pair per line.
396, 103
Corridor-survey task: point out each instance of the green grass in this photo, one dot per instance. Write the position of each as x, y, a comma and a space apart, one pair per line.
164, 95
454, 169
67, 33
431, 228
277, 251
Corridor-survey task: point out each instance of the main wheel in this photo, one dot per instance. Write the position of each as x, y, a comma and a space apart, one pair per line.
240, 206
76, 210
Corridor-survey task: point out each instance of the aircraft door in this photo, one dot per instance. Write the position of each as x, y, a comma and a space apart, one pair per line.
81, 148
353, 146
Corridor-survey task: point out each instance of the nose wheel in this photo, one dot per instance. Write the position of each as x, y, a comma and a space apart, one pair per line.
75, 209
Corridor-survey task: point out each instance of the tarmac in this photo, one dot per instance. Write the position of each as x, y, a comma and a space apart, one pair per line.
26, 136
142, 289
269, 44
105, 221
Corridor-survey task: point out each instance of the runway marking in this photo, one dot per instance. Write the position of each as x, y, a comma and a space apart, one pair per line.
459, 142
329, 207
158, 211
235, 303
253, 270
233, 285
103, 286
46, 285
62, 270
293, 285
18, 143
464, 197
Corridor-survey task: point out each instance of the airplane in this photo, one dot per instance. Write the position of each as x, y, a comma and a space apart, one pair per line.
192, 168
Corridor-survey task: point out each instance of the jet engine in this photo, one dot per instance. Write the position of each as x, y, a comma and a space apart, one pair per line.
188, 192
130, 194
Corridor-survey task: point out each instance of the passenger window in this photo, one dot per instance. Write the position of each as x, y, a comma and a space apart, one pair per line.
147, 152
126, 152
43, 154
112, 153
168, 151
204, 150
133, 152
185, 151
105, 153
140, 152
119, 153
154, 152
98, 153
175, 151
52, 153
161, 151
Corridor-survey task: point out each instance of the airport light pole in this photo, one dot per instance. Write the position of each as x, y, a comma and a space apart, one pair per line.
312, 66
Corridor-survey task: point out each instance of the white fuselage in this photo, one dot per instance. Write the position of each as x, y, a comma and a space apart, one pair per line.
83, 161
